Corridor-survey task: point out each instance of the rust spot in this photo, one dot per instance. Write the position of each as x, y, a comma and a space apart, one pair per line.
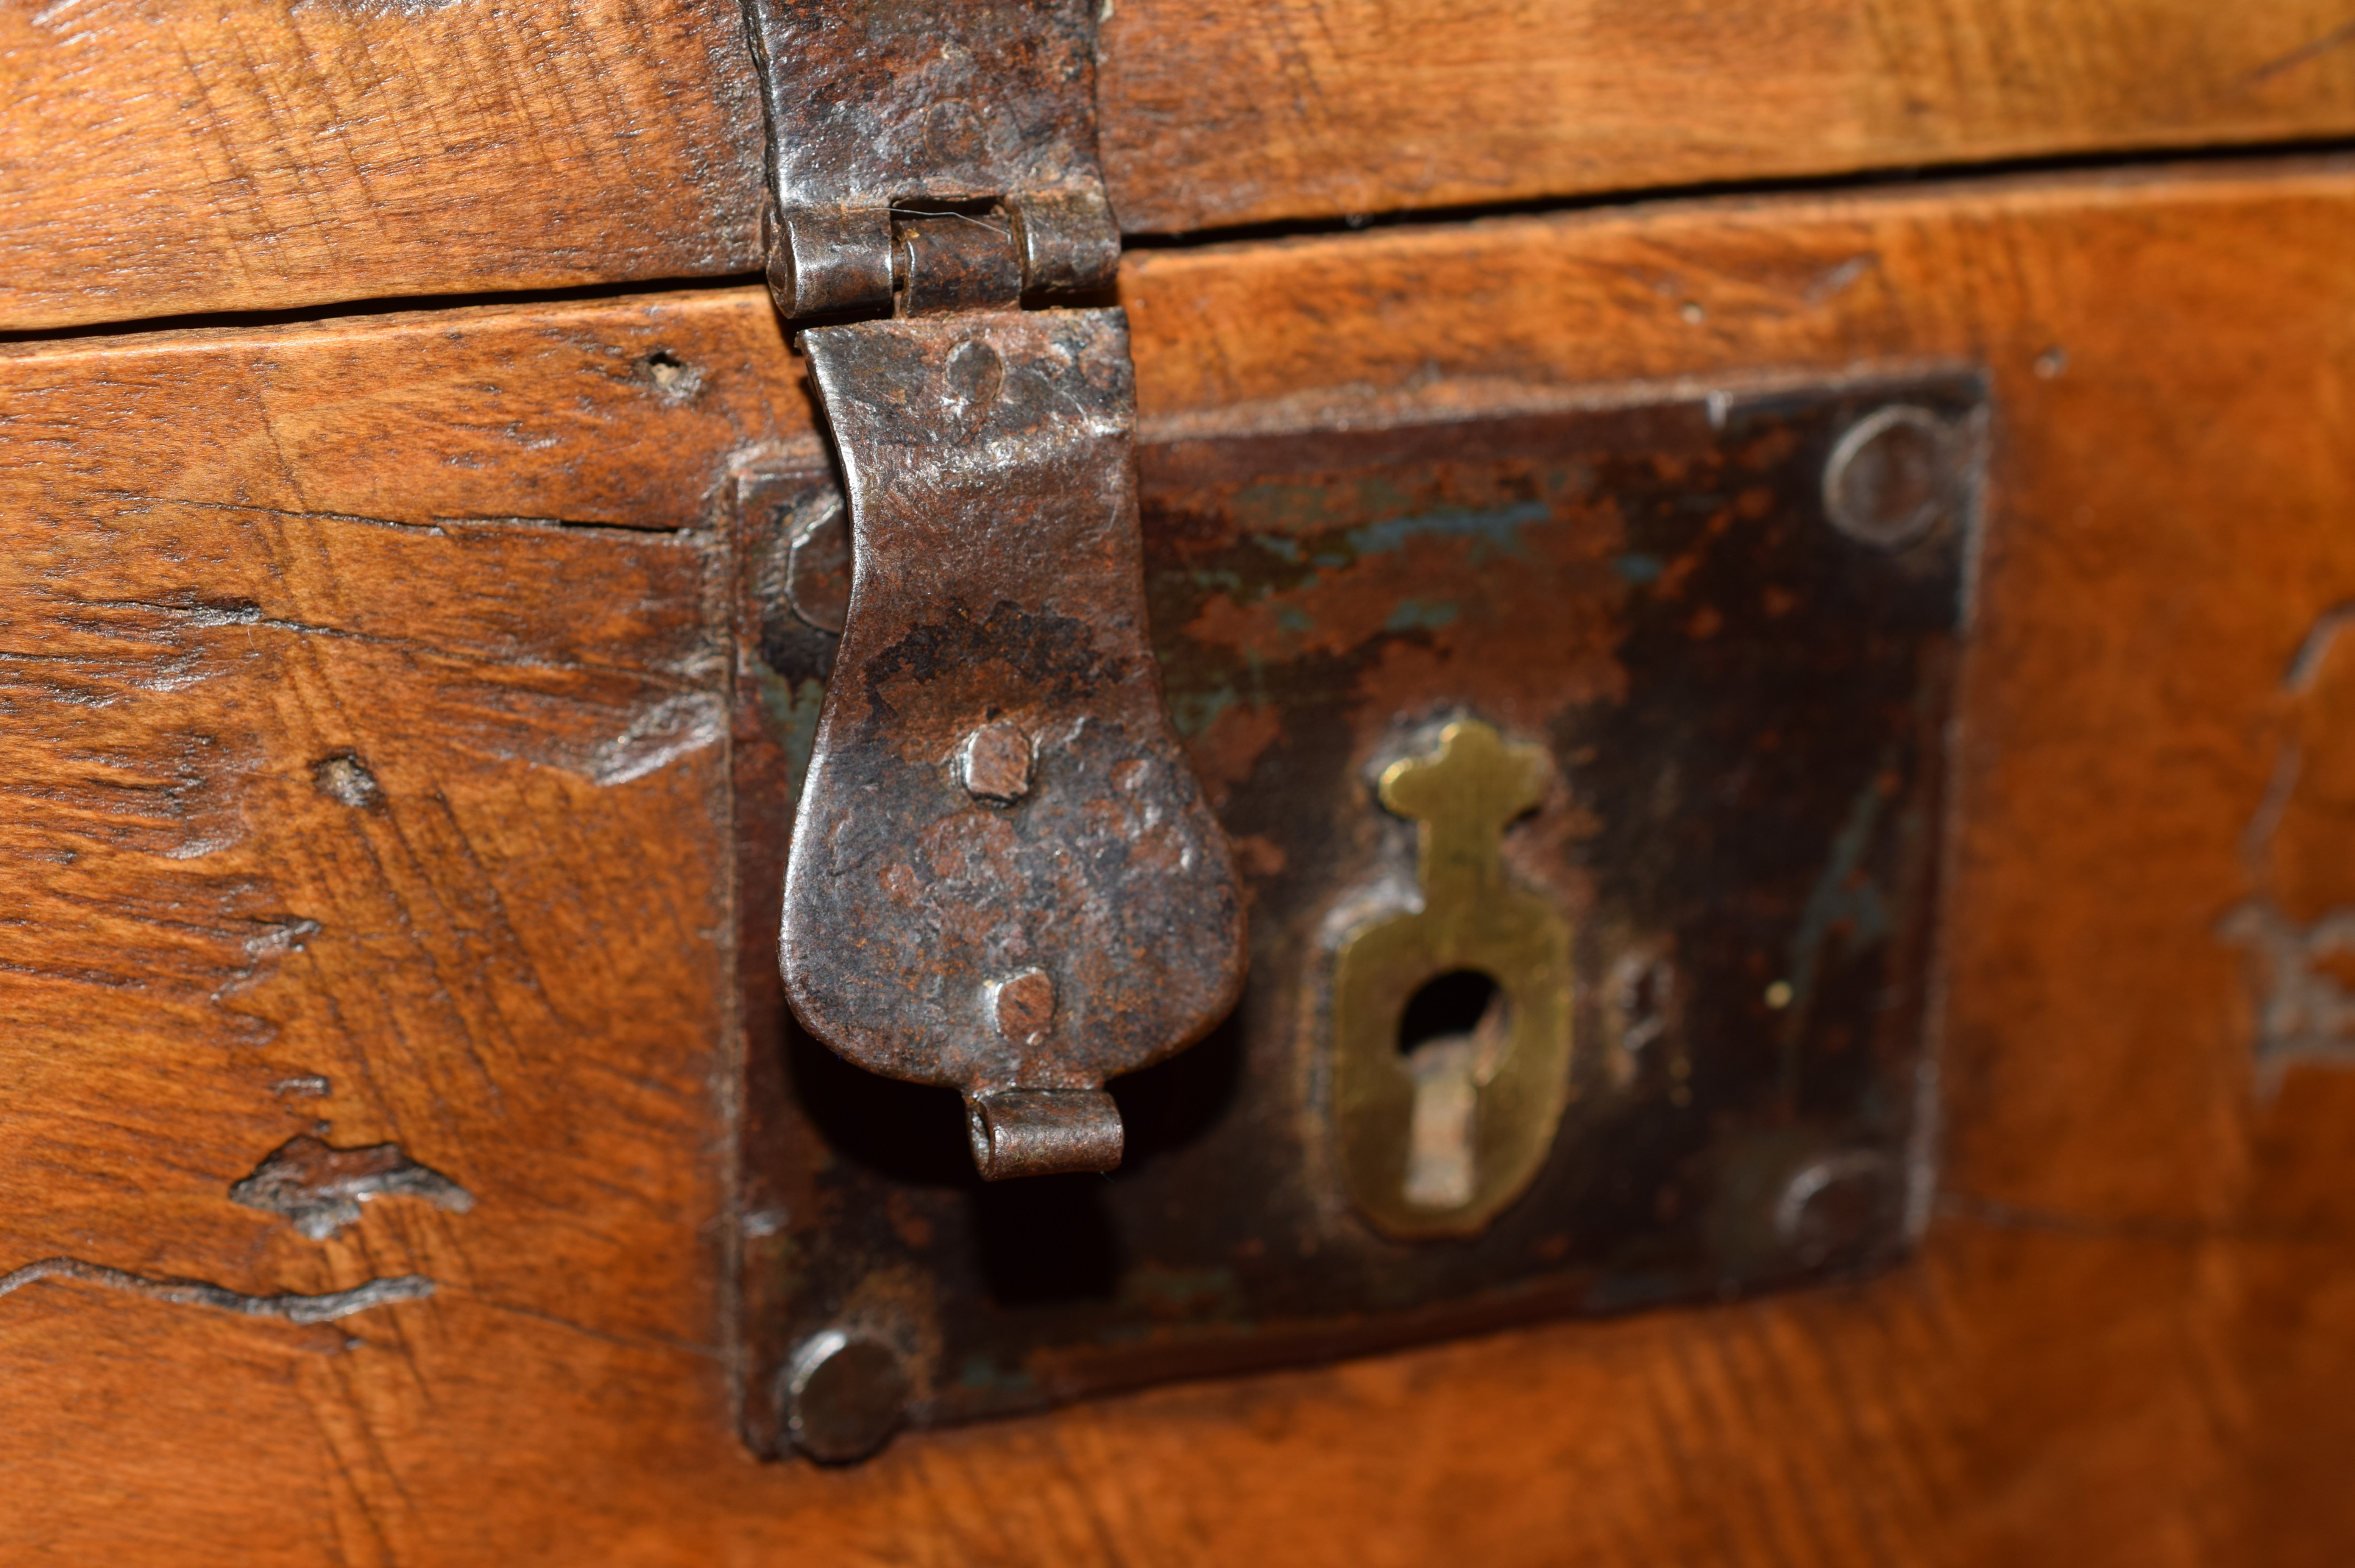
903, 887
1451, 582
1226, 750
933, 673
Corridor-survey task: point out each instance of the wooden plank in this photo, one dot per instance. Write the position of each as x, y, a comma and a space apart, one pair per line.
1230, 112
2126, 1339
250, 156
417, 418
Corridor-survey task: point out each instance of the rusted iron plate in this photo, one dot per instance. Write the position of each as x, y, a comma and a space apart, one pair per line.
1004, 879
1741, 708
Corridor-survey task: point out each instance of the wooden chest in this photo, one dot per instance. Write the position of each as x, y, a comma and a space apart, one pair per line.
382, 393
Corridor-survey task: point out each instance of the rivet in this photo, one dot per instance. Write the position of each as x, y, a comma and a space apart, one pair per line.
1891, 476
1025, 1007
817, 566
976, 374
995, 763
1832, 1210
842, 1396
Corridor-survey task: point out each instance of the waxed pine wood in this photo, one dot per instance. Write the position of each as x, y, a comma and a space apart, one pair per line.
474, 552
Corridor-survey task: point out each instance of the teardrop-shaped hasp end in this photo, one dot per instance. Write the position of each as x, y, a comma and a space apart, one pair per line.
1004, 876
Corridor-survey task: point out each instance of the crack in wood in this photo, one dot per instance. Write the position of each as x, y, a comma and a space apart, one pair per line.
288, 1306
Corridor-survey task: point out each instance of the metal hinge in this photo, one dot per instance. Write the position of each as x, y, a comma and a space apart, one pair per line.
1004, 876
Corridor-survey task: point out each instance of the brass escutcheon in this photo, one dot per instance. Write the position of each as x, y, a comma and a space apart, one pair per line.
1438, 1141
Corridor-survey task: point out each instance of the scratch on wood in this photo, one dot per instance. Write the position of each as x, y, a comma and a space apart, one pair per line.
2338, 36
318, 1188
658, 736
144, 501
2306, 1010
289, 1306
1836, 280
276, 938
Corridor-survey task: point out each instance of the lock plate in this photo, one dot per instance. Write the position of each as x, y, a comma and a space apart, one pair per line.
1712, 642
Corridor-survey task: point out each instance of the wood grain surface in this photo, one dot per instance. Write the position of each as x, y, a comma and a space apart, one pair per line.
335, 748
1230, 111
252, 155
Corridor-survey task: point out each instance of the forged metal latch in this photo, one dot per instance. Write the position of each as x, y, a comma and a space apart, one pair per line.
1004, 878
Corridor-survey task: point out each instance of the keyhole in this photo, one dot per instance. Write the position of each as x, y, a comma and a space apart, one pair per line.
1452, 1034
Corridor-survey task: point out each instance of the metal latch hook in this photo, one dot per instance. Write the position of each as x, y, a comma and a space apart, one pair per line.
1004, 876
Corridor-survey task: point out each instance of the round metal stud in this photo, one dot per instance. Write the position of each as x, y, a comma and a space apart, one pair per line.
843, 1395
1025, 1007
995, 762
1893, 476
1834, 1209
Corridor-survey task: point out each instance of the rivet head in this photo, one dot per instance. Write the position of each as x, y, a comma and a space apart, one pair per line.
817, 567
843, 1395
1025, 1007
995, 763
1893, 476
1836, 1209
976, 375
